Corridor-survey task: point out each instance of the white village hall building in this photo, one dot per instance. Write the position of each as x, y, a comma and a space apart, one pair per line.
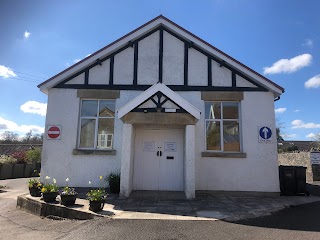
167, 110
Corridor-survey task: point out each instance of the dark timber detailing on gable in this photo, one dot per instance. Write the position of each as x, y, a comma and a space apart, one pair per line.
185, 87
86, 77
186, 60
210, 72
158, 99
160, 54
111, 70
135, 63
234, 78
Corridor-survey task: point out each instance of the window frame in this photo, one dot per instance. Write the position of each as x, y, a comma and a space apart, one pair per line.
96, 118
221, 120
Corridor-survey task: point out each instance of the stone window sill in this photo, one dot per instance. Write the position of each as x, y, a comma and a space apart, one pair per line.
223, 155
93, 152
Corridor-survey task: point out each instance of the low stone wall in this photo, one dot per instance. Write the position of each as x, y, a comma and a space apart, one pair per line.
297, 159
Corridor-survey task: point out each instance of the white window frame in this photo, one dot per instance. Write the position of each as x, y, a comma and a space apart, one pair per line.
221, 126
96, 118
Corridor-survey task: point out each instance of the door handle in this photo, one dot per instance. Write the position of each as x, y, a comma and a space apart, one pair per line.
160, 153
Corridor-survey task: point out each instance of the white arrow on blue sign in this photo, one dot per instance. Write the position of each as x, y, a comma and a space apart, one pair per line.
265, 134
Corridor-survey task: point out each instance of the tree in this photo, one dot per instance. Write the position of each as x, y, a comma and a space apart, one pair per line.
9, 137
279, 128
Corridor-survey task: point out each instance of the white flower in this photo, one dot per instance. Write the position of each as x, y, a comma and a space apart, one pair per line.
47, 177
89, 182
54, 181
67, 180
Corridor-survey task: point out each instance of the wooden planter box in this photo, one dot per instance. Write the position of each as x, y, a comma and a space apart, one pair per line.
14, 170
6, 170
28, 170
18, 170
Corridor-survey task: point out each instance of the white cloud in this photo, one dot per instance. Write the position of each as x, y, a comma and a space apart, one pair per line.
313, 82
6, 72
300, 124
280, 110
293, 135
289, 65
297, 110
26, 34
311, 135
34, 107
79, 59
308, 43
7, 125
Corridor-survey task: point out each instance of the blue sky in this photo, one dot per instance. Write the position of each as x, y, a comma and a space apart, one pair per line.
279, 39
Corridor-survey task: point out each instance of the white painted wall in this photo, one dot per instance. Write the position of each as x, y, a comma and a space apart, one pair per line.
197, 68
123, 67
77, 80
221, 76
148, 61
100, 74
257, 172
173, 60
241, 82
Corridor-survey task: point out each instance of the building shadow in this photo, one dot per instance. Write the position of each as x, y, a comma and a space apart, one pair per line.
303, 217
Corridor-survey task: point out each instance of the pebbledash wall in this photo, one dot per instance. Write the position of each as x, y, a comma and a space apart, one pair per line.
191, 68
257, 172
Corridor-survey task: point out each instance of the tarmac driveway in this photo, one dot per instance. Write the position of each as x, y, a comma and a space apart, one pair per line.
299, 222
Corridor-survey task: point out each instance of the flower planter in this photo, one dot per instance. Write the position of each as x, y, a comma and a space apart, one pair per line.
49, 196
96, 206
68, 200
35, 192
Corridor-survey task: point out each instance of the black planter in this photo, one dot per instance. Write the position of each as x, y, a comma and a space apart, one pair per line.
96, 206
68, 200
49, 196
35, 192
114, 187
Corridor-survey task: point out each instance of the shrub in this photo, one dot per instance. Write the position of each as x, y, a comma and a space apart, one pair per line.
33, 155
20, 156
114, 182
7, 159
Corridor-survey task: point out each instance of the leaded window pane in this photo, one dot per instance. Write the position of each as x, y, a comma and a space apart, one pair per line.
231, 139
89, 108
213, 110
106, 108
87, 133
213, 135
230, 110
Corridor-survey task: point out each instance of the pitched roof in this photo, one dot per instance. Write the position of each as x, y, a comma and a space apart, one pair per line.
145, 28
8, 149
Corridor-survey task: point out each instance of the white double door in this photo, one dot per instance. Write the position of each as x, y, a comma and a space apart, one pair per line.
158, 161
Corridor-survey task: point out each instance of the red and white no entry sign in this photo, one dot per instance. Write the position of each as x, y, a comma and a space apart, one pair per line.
54, 132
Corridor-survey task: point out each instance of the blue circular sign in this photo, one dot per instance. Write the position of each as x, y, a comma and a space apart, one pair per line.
265, 132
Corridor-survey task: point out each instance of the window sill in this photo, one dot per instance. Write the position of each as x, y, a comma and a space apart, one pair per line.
224, 155
93, 152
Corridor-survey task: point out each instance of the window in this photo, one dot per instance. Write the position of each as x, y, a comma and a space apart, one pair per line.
96, 124
222, 126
